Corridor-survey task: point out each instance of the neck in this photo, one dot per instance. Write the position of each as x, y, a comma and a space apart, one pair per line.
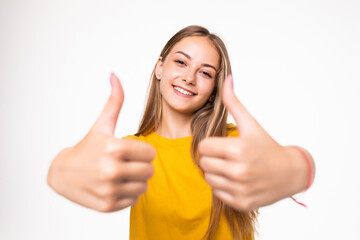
174, 124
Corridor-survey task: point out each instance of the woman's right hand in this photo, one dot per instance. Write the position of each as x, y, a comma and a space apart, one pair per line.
102, 172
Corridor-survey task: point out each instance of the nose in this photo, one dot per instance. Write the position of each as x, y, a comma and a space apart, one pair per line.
190, 77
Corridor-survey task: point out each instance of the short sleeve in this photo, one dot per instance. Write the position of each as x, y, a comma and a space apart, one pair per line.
133, 137
232, 130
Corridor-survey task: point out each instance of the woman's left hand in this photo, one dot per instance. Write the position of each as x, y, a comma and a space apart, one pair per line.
251, 170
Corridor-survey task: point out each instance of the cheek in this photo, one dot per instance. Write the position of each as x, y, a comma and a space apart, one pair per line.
207, 87
163, 86
170, 71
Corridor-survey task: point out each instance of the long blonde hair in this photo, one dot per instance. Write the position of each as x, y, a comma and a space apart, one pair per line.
209, 120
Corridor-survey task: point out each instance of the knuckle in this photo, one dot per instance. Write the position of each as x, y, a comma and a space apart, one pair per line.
206, 144
246, 191
110, 172
109, 146
239, 149
203, 162
151, 152
246, 150
115, 148
144, 187
107, 206
245, 204
209, 179
135, 201
148, 171
202, 146
107, 190
121, 150
237, 173
107, 176
233, 150
244, 175
139, 188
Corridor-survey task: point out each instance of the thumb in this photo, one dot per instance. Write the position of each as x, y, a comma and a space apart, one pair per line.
106, 122
244, 121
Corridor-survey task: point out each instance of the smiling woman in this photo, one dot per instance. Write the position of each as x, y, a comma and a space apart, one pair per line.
186, 80
185, 106
186, 173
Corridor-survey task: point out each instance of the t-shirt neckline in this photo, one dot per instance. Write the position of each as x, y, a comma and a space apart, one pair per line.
172, 141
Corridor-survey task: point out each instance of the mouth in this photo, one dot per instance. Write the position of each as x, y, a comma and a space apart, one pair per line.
183, 91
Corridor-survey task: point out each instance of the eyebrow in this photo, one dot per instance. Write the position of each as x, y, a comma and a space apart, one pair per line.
204, 64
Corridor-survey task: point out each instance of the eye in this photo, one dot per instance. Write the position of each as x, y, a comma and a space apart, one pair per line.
180, 62
207, 74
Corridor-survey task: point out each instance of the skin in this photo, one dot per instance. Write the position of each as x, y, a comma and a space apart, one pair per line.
102, 172
107, 174
191, 64
252, 170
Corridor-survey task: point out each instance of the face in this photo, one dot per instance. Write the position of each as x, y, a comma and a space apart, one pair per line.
187, 75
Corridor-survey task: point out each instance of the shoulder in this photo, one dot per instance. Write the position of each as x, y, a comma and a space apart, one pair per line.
232, 130
134, 137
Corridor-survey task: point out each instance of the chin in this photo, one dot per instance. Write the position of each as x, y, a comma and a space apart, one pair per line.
185, 111
182, 108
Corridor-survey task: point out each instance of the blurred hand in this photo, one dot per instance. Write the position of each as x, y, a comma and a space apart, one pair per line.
251, 170
102, 172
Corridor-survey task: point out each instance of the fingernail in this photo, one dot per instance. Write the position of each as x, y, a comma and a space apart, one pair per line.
111, 77
231, 81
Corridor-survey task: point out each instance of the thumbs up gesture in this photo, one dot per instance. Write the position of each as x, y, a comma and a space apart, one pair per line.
102, 172
251, 170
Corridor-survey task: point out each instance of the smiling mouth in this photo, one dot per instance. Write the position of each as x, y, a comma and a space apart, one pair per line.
183, 91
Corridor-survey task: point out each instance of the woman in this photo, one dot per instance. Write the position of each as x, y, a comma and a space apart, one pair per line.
180, 173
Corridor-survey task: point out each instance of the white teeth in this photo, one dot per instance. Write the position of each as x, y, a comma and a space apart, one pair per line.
183, 91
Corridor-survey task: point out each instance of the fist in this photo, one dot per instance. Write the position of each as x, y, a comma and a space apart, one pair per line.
102, 172
251, 170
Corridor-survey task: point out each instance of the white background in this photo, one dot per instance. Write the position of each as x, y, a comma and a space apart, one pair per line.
296, 69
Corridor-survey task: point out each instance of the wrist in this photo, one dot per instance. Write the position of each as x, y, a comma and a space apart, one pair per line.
300, 168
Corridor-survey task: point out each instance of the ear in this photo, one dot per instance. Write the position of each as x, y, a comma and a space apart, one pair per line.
158, 68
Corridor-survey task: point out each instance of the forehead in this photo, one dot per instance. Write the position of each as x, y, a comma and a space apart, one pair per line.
199, 48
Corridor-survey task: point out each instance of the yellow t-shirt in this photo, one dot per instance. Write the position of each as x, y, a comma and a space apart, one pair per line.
177, 202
